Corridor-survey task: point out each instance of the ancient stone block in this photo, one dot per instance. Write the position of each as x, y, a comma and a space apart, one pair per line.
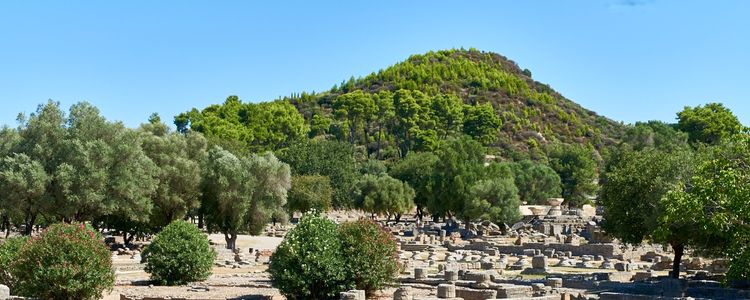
4, 292
350, 295
623, 267
642, 276
554, 282
539, 262
446, 291
573, 240
474, 294
451, 275
420, 273
514, 291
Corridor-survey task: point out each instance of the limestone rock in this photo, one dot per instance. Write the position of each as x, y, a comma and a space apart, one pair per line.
403, 293
4, 292
446, 291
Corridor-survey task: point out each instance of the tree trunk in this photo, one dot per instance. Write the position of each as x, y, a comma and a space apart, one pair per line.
30, 220
398, 218
380, 138
367, 139
200, 221
6, 226
231, 239
126, 240
352, 132
679, 250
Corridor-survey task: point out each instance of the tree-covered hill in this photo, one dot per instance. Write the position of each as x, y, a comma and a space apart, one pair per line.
415, 103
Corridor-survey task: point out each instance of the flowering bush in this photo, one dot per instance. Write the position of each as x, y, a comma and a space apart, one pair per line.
309, 263
179, 254
371, 254
9, 254
319, 259
66, 262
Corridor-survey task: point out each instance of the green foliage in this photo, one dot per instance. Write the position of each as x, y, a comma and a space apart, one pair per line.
578, 172
714, 210
371, 254
94, 168
273, 178
372, 167
179, 254
68, 261
460, 164
241, 194
384, 195
709, 124
446, 80
178, 159
8, 255
416, 170
332, 159
495, 200
413, 128
23, 182
309, 263
536, 182
655, 134
259, 127
357, 109
634, 188
309, 192
482, 123
448, 114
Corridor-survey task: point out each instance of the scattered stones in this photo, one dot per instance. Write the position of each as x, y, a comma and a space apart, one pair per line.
404, 293
353, 295
623, 267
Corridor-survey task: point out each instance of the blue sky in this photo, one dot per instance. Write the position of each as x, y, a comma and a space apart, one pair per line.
629, 60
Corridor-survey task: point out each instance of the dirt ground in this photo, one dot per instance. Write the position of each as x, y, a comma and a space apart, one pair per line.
248, 282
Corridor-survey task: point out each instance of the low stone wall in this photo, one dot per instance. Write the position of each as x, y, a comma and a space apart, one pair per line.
124, 297
644, 290
606, 250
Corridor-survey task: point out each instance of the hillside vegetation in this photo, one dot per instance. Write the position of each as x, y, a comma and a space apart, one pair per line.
415, 103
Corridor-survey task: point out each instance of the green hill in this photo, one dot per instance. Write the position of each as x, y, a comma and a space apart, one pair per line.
410, 105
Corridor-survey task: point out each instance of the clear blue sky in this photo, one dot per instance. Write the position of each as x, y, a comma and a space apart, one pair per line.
629, 60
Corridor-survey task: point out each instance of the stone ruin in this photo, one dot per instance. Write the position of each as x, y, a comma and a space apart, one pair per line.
553, 253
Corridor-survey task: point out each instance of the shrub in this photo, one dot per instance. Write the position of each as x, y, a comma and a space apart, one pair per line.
179, 254
66, 262
9, 254
371, 254
309, 263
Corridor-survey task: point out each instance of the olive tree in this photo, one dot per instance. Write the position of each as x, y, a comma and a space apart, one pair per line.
241, 194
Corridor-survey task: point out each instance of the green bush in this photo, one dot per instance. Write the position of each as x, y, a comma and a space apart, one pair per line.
309, 263
319, 259
9, 254
179, 254
370, 253
66, 262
